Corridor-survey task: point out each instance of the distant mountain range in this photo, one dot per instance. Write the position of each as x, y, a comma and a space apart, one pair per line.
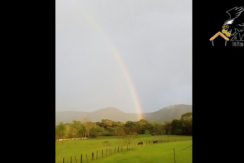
165, 114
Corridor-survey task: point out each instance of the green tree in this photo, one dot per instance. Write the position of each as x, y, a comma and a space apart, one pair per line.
130, 127
176, 127
60, 131
187, 123
158, 129
167, 128
79, 129
144, 126
119, 131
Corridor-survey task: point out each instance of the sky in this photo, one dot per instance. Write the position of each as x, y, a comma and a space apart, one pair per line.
123, 53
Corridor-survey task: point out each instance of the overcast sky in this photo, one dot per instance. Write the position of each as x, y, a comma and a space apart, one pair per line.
153, 37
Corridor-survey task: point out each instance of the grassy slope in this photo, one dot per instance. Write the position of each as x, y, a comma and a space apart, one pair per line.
75, 147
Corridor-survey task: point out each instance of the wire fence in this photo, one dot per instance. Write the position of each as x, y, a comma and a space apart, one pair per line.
109, 151
98, 154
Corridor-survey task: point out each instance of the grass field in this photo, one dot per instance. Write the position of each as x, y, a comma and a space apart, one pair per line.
114, 149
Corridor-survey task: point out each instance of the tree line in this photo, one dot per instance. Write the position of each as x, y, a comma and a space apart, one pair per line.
77, 129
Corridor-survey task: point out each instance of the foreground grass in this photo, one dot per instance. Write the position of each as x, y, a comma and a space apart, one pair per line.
157, 153
146, 153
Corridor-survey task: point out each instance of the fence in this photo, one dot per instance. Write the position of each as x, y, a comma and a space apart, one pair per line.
106, 152
98, 154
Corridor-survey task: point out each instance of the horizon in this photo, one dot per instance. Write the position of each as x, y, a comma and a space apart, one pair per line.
111, 107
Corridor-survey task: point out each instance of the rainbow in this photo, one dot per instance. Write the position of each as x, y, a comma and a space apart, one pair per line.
119, 59
132, 88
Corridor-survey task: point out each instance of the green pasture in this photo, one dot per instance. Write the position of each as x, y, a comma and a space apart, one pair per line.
157, 153
114, 149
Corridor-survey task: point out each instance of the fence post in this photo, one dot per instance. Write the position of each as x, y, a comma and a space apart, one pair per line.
102, 152
97, 155
92, 156
174, 155
71, 159
80, 158
63, 159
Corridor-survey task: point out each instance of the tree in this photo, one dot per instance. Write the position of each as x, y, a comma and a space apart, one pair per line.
176, 127
110, 128
93, 132
187, 123
119, 131
130, 127
144, 127
60, 131
106, 123
167, 128
158, 129
79, 129
88, 126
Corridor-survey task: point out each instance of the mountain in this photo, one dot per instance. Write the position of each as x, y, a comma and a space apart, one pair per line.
164, 114
168, 113
106, 113
69, 116
112, 114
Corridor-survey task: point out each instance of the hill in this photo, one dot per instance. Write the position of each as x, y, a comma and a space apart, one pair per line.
168, 113
164, 114
112, 114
